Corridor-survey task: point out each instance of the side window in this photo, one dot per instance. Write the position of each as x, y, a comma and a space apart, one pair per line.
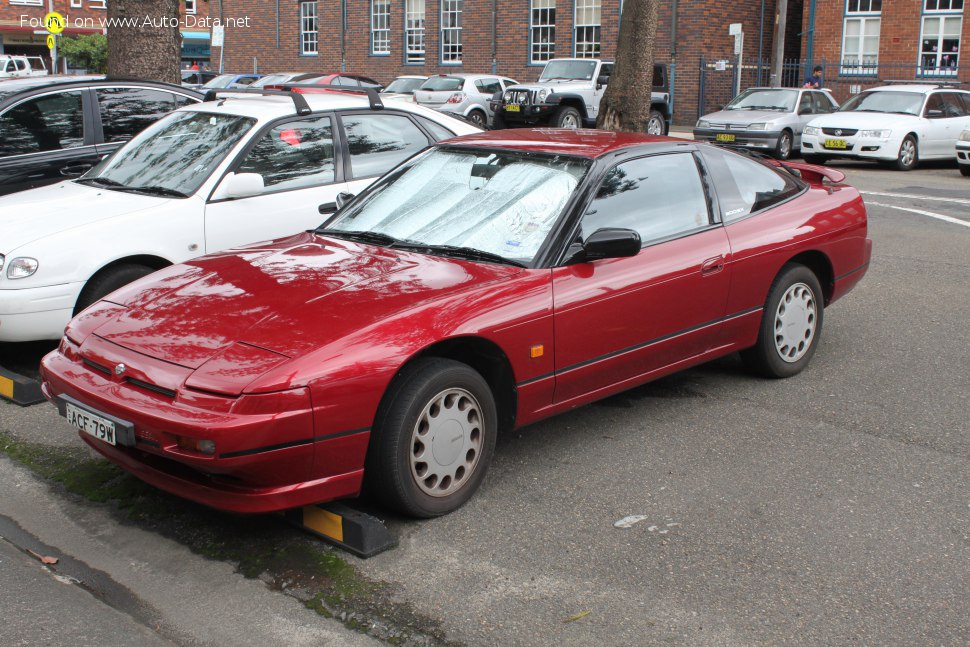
933, 103
508, 82
9, 67
182, 100
49, 123
125, 112
294, 155
21, 65
437, 131
379, 142
488, 86
347, 80
952, 106
805, 105
606, 69
823, 103
744, 186
657, 196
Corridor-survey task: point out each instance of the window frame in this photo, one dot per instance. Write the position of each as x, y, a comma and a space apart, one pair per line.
534, 28
458, 15
942, 15
194, 8
587, 5
415, 56
380, 34
304, 33
863, 17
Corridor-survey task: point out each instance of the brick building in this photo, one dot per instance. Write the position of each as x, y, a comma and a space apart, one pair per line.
386, 38
867, 42
19, 19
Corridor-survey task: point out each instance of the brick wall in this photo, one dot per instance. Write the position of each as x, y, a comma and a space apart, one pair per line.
702, 28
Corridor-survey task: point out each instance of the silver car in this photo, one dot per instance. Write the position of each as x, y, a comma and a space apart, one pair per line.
463, 94
403, 87
766, 119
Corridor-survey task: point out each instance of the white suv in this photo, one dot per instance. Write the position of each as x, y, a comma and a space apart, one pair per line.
207, 177
902, 124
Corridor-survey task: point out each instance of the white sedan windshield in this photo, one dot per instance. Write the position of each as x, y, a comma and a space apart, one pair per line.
502, 203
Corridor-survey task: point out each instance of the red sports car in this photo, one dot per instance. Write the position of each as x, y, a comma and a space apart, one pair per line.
489, 282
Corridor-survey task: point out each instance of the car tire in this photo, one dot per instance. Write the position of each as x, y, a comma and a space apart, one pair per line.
567, 117
965, 170
783, 148
107, 281
415, 463
791, 324
814, 159
656, 124
498, 122
908, 156
478, 118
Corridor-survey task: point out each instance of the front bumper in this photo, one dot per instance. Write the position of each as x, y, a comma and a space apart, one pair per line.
963, 153
30, 314
855, 147
758, 139
264, 461
527, 113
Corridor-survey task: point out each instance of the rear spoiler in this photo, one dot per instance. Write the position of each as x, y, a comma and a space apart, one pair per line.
815, 174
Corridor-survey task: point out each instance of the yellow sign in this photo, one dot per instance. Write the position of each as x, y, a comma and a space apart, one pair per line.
55, 22
51, 41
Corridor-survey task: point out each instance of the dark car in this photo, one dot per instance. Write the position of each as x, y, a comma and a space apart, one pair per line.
352, 80
53, 128
197, 78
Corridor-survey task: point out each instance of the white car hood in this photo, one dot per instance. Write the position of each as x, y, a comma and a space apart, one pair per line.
744, 116
858, 120
557, 86
31, 215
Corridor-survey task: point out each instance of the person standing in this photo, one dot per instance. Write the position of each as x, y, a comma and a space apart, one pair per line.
815, 80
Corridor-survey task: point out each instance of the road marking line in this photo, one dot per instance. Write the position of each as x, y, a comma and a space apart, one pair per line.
930, 214
916, 197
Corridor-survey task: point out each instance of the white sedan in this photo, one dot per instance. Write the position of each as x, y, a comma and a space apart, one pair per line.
208, 177
901, 124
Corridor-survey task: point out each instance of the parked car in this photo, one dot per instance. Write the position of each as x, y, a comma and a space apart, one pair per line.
207, 177
403, 87
963, 152
57, 127
491, 282
276, 79
768, 119
462, 94
232, 81
197, 78
20, 66
568, 94
348, 80
899, 124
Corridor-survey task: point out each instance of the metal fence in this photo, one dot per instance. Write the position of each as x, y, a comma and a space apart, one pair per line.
721, 79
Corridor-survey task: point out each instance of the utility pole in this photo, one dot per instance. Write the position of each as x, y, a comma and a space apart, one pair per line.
778, 49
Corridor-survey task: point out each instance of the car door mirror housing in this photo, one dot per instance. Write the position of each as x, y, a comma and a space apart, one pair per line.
602, 79
239, 185
343, 198
611, 243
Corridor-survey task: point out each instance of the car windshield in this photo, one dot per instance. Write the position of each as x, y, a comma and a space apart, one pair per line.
442, 83
404, 86
174, 156
906, 103
499, 203
221, 81
568, 71
272, 79
758, 99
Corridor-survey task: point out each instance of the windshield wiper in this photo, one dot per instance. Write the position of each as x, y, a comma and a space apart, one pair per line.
373, 237
103, 181
156, 190
469, 253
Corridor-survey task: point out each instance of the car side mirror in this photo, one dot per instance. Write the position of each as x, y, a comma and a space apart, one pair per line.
343, 198
239, 185
934, 114
611, 242
804, 111
602, 80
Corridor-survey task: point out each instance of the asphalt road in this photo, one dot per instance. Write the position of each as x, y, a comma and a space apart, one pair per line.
830, 508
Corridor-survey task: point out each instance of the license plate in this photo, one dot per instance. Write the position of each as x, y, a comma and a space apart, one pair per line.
90, 423
835, 143
512, 107
724, 137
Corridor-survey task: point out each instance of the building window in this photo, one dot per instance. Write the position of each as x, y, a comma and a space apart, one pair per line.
31, 3
586, 37
542, 26
189, 6
860, 37
414, 31
380, 27
74, 3
98, 4
309, 37
451, 31
939, 51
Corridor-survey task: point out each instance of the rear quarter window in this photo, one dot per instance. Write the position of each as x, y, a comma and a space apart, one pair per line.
745, 186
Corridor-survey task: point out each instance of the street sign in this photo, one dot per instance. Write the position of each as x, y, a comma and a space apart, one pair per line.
720, 66
735, 28
51, 41
738, 39
218, 36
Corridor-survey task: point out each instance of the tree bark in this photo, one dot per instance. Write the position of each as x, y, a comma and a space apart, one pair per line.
144, 40
625, 105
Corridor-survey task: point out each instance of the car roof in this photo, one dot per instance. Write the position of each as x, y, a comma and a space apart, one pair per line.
581, 142
12, 87
915, 88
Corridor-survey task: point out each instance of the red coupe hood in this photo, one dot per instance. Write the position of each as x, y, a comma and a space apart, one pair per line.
290, 297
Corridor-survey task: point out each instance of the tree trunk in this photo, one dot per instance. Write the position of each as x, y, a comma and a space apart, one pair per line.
625, 105
144, 40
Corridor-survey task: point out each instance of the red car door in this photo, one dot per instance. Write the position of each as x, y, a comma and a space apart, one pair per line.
619, 320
